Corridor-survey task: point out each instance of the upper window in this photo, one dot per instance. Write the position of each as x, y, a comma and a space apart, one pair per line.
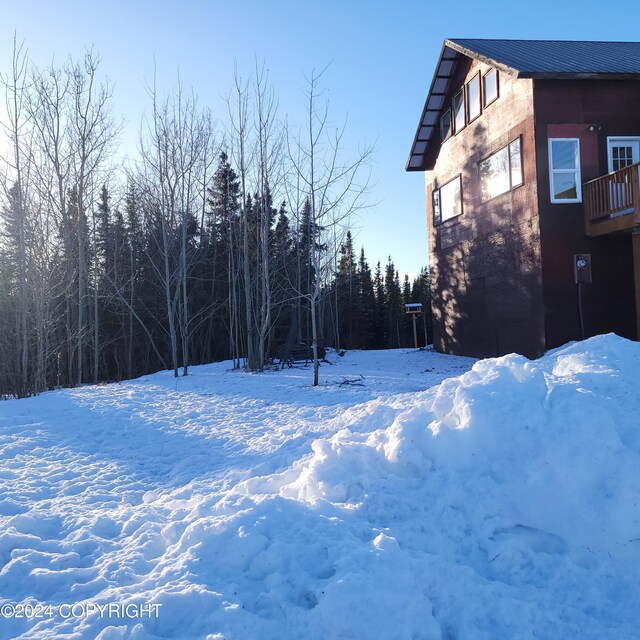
473, 98
564, 170
458, 112
501, 171
447, 201
490, 86
445, 124
467, 103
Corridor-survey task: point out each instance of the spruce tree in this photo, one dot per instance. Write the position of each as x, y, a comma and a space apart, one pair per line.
406, 321
392, 301
421, 292
381, 307
367, 303
347, 295
221, 265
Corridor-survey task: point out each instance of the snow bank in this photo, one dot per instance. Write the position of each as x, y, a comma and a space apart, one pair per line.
500, 503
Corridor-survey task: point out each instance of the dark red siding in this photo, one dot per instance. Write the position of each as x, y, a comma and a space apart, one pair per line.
570, 109
486, 263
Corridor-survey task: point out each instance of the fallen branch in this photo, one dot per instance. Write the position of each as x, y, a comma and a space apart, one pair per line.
354, 382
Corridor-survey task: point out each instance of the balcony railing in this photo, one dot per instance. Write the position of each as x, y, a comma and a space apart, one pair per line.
612, 202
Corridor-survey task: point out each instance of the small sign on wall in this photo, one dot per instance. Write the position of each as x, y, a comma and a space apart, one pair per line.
582, 268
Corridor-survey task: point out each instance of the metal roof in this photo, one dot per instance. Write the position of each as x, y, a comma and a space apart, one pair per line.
544, 59
555, 58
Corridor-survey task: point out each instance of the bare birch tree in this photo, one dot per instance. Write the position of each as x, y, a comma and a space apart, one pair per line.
14, 85
239, 116
176, 152
93, 133
336, 189
269, 143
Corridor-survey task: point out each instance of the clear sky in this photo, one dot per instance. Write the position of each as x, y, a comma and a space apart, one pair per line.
382, 57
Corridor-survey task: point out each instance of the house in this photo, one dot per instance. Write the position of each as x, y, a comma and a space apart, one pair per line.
530, 152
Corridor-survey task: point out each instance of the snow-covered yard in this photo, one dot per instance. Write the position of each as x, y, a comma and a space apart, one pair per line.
439, 498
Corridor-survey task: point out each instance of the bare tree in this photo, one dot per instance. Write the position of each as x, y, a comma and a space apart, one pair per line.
239, 133
93, 133
269, 142
176, 153
336, 189
14, 85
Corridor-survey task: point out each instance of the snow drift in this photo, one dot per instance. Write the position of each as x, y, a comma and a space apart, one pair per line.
500, 503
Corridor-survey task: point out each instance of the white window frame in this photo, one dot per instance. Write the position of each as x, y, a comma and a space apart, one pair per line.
577, 171
612, 140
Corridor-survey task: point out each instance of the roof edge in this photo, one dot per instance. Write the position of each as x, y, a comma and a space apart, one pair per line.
408, 166
452, 44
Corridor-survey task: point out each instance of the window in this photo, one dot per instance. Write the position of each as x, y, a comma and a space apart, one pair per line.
458, 112
564, 170
621, 157
445, 125
447, 201
621, 152
515, 163
473, 98
501, 171
490, 86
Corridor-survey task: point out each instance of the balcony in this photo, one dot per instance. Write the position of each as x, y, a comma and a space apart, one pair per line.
612, 202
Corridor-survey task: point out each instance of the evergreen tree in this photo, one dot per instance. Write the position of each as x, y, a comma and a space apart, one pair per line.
406, 321
308, 240
393, 301
347, 298
10, 282
380, 325
221, 264
283, 268
421, 292
367, 303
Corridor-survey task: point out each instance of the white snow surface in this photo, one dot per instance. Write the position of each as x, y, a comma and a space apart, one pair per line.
438, 498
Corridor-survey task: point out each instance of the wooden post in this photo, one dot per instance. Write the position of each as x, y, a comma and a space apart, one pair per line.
635, 238
415, 332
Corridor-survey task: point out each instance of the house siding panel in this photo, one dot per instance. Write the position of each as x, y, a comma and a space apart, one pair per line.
486, 263
569, 109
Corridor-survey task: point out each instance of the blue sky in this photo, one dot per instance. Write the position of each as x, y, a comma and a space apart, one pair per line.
382, 57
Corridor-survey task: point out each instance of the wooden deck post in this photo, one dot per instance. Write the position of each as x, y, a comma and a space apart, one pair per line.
635, 238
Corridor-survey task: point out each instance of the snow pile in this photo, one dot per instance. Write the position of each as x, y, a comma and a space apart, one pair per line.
500, 503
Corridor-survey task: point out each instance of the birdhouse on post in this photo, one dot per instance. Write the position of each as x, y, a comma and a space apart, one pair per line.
414, 309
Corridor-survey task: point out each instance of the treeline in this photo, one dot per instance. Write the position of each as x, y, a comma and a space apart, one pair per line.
369, 307
215, 244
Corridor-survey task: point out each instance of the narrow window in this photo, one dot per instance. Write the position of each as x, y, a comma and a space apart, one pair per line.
445, 125
490, 86
515, 163
564, 170
473, 98
449, 200
501, 171
437, 216
458, 112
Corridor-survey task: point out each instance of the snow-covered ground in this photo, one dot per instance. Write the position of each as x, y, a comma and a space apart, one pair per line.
425, 497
